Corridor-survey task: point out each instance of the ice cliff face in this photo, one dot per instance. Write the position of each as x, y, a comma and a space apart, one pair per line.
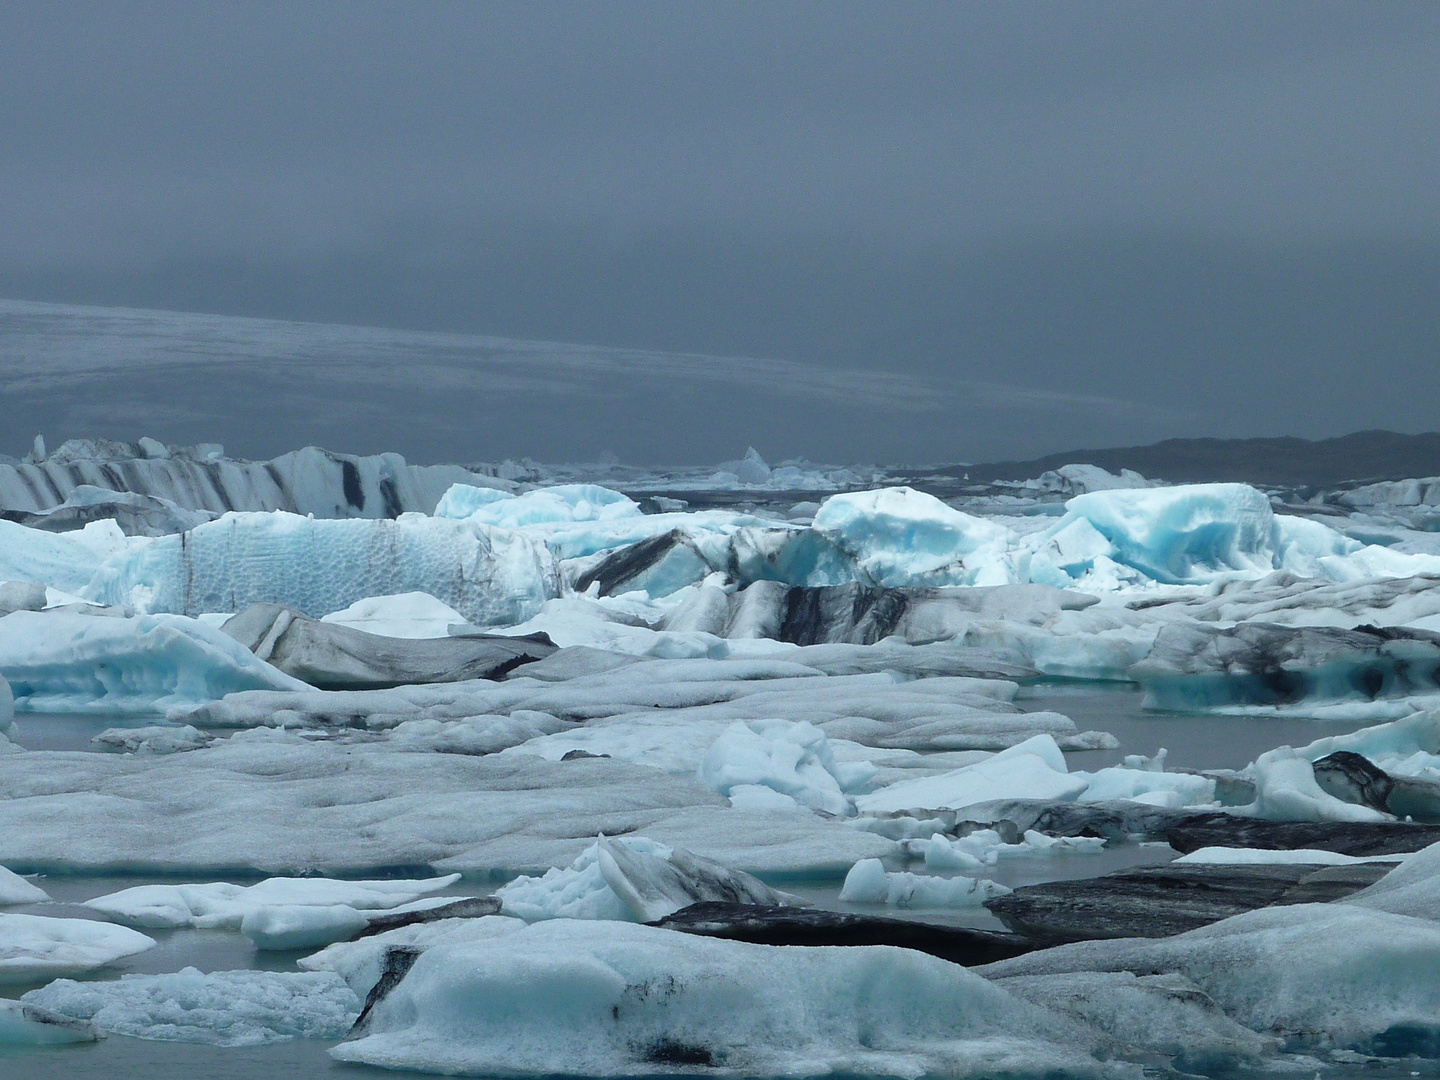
309, 481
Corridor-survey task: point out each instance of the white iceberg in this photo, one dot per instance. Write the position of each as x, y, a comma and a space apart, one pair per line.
222, 1008
491, 576
34, 948
633, 879
278, 913
1034, 769
65, 661
575, 999
869, 883
794, 759
899, 536
14, 889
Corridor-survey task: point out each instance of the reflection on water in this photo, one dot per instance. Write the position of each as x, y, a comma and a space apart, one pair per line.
71, 731
1194, 741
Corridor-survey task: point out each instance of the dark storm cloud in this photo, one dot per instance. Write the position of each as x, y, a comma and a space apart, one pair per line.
1040, 225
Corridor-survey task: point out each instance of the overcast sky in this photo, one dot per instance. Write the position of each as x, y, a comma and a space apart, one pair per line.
1023, 227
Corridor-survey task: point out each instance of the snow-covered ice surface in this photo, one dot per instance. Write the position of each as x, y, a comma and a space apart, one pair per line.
35, 947
811, 681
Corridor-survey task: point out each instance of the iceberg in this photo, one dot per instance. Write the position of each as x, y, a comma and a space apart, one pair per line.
631, 879
575, 999
14, 890
64, 561
34, 948
560, 504
793, 759
899, 536
491, 576
308, 481
223, 1008
223, 906
1033, 769
71, 661
869, 883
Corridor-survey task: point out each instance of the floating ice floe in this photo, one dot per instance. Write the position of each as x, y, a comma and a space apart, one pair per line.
869, 883
278, 913
34, 948
567, 998
14, 889
631, 879
222, 1008
1036, 769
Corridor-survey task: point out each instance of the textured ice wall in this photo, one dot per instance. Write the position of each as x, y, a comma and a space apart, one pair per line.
309, 481
491, 576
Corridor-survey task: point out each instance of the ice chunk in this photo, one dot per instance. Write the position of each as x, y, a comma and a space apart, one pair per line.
154, 739
14, 889
899, 536
30, 1025
223, 1008
1285, 790
561, 504
1033, 769
579, 891
563, 998
1182, 534
221, 905
401, 615
632, 878
34, 948
296, 926
64, 661
491, 576
792, 758
869, 883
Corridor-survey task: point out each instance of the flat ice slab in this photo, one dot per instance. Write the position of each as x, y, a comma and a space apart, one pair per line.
36, 947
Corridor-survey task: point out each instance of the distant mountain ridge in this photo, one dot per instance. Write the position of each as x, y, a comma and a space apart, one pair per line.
1277, 462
